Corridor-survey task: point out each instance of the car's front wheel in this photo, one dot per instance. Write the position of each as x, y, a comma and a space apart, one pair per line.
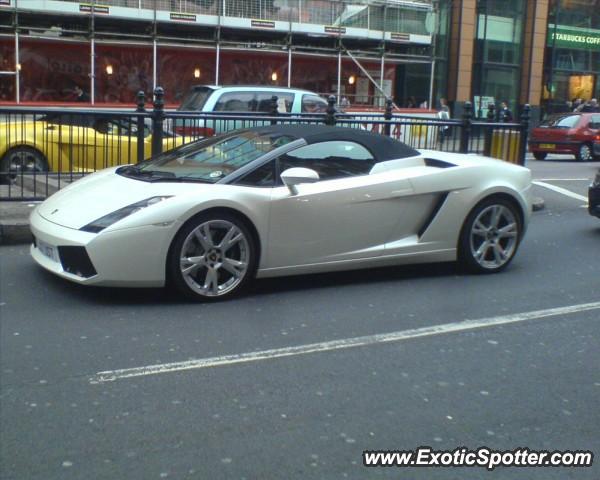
212, 257
539, 155
584, 154
490, 236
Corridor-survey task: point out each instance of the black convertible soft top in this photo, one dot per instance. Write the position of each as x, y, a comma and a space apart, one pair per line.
383, 148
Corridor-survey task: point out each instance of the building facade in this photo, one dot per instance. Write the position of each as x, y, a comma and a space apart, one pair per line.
544, 52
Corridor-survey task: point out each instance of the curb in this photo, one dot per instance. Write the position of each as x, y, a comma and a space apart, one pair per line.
15, 233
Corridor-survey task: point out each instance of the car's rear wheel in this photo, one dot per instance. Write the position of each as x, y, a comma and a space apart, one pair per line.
212, 257
539, 155
21, 160
490, 236
584, 154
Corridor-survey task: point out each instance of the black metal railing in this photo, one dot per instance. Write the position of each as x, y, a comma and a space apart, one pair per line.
42, 150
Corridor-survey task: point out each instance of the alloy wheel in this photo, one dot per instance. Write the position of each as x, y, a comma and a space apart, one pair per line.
214, 258
585, 153
494, 237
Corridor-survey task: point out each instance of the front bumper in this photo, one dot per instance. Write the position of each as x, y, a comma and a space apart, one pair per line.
594, 201
133, 257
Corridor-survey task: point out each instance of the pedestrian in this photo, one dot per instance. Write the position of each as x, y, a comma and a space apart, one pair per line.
444, 130
505, 115
591, 106
81, 96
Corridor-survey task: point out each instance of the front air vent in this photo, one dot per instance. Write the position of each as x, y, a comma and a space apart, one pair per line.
75, 260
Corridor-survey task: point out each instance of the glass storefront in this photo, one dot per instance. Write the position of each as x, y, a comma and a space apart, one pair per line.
7, 70
497, 65
572, 57
122, 72
50, 70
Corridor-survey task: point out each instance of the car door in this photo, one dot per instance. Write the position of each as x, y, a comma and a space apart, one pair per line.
347, 215
74, 140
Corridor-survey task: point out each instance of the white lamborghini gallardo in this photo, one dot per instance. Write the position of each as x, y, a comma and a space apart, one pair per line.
209, 217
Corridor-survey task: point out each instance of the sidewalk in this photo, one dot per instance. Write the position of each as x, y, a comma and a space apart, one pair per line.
14, 222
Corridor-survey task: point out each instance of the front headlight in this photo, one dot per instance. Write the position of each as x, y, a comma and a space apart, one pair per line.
107, 220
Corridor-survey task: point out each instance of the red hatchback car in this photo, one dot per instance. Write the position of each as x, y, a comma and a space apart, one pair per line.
570, 133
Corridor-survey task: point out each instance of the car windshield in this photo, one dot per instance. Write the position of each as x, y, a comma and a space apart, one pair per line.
561, 121
212, 159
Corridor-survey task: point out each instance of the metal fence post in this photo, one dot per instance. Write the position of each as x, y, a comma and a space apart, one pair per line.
489, 131
273, 110
140, 110
330, 113
465, 135
388, 116
158, 115
525, 116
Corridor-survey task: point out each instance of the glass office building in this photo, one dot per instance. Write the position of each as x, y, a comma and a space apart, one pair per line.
572, 57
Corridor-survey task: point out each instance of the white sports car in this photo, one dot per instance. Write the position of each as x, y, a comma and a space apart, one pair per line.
209, 217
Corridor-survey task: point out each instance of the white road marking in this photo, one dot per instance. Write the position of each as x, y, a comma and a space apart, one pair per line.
562, 180
112, 375
561, 190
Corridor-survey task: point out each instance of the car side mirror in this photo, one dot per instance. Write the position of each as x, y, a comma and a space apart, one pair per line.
298, 175
594, 125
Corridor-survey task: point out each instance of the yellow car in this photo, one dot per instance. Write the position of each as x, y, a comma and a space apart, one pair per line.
73, 143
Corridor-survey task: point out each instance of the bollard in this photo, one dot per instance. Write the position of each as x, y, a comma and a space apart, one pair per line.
273, 109
158, 115
467, 119
141, 109
525, 117
330, 113
387, 116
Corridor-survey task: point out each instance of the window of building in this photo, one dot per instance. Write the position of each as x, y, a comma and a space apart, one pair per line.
497, 66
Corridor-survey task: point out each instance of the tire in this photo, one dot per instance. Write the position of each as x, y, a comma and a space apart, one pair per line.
21, 160
490, 236
539, 155
584, 154
212, 257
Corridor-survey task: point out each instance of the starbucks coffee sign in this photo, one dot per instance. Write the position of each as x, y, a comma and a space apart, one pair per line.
573, 37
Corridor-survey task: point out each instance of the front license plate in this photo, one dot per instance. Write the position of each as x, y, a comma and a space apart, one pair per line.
547, 145
48, 250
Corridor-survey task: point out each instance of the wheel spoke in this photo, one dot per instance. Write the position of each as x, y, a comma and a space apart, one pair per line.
189, 265
235, 267
211, 282
204, 237
232, 237
482, 250
496, 214
479, 228
509, 231
499, 254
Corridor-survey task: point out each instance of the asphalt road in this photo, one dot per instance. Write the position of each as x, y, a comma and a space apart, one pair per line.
527, 381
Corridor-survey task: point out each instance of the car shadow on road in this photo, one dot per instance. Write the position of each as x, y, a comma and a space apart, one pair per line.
260, 287
108, 295
369, 277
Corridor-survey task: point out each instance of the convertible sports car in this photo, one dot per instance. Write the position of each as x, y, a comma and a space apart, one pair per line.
210, 216
72, 142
